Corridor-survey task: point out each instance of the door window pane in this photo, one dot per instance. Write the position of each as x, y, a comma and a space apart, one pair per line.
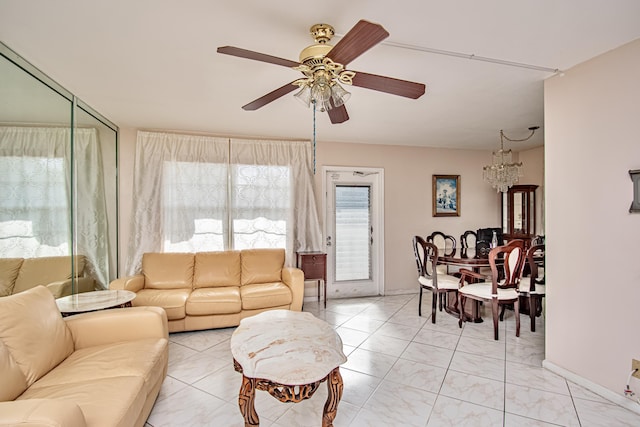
353, 233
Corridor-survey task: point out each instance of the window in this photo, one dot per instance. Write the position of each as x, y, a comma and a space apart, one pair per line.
260, 206
195, 206
195, 193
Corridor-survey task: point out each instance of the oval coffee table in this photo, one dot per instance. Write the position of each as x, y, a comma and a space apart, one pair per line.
288, 354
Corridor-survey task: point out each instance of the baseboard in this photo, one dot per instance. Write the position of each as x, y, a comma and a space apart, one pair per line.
401, 292
314, 296
616, 398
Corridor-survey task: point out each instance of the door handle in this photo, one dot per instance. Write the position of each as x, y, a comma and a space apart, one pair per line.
328, 240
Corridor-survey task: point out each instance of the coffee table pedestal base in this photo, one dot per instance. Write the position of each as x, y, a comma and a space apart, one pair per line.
287, 393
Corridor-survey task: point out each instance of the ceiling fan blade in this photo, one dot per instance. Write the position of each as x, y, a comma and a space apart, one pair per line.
362, 37
256, 56
270, 97
389, 85
338, 114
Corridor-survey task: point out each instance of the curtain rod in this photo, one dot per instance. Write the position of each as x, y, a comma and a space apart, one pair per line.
215, 135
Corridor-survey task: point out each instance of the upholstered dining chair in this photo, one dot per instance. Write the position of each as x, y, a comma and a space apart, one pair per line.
503, 289
429, 278
468, 239
446, 244
442, 241
532, 287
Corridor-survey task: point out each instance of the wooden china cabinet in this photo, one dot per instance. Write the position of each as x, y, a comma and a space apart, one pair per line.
519, 213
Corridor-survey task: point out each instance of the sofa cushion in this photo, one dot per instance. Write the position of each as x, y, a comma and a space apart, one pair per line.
144, 358
9, 268
32, 329
265, 295
42, 271
167, 270
262, 265
42, 412
220, 300
213, 269
172, 300
13, 380
114, 401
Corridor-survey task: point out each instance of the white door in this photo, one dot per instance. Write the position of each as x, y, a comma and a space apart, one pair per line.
353, 201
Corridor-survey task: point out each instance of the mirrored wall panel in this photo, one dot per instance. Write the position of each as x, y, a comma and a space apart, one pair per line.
58, 181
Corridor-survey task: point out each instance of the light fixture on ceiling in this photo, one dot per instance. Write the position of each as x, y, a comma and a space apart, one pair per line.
323, 76
503, 172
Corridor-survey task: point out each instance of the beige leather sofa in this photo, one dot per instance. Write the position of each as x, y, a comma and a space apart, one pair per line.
215, 289
20, 274
103, 368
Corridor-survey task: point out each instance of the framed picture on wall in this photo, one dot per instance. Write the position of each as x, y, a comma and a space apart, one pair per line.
446, 195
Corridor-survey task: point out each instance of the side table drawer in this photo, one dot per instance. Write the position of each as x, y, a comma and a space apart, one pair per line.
313, 265
312, 271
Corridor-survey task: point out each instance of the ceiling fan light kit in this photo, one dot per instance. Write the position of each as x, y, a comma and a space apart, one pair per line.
323, 67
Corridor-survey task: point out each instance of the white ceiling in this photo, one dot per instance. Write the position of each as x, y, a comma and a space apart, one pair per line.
153, 64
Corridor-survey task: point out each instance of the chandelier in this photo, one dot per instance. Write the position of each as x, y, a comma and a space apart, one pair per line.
321, 85
503, 172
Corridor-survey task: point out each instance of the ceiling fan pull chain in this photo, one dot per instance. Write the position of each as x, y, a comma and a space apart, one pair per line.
314, 136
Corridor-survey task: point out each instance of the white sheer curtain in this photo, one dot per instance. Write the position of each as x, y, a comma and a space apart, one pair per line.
35, 180
201, 193
281, 192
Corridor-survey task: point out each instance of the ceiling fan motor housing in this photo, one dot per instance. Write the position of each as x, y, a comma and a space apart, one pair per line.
313, 55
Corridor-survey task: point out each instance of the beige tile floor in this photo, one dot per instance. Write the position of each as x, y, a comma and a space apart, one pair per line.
402, 371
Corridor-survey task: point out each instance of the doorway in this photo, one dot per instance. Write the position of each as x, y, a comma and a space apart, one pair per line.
354, 229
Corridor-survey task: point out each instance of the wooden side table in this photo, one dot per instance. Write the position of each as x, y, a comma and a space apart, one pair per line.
314, 267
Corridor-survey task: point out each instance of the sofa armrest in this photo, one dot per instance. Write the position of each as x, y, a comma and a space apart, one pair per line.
117, 325
294, 279
41, 412
129, 283
62, 288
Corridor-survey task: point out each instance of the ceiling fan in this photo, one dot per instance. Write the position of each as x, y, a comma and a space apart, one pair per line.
323, 67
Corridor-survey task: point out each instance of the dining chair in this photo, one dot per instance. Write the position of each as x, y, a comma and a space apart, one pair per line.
442, 241
503, 288
468, 239
446, 244
430, 278
532, 287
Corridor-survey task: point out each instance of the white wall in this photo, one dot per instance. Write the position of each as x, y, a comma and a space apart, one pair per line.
592, 140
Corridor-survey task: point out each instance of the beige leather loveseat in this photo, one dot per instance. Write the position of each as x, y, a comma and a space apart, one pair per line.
55, 272
215, 289
103, 368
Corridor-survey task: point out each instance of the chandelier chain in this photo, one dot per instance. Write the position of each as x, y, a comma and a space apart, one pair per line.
528, 137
